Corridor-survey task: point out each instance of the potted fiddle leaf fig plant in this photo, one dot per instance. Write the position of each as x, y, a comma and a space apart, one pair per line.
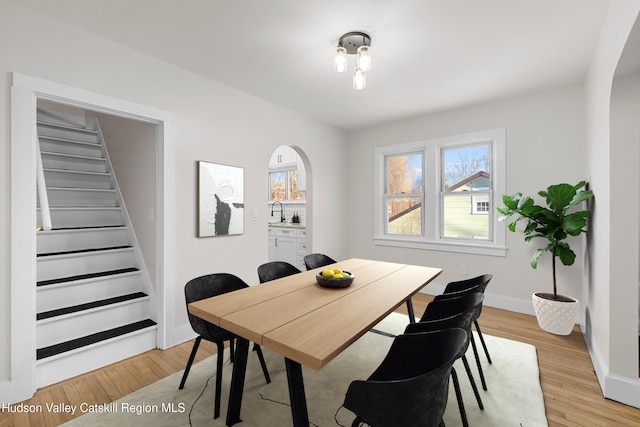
553, 223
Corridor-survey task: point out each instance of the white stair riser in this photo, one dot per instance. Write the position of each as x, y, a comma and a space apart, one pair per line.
73, 240
67, 133
53, 370
76, 179
53, 297
70, 147
80, 197
58, 266
74, 163
91, 217
65, 328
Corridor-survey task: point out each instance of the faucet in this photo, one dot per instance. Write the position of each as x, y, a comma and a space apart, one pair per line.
281, 210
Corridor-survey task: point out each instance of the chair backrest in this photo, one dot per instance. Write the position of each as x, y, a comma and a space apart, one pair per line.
463, 308
410, 387
475, 284
209, 286
316, 260
275, 270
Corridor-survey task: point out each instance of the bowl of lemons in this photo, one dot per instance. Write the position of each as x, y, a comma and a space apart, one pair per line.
334, 278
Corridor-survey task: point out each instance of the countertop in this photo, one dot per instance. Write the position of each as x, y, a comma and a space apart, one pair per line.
286, 225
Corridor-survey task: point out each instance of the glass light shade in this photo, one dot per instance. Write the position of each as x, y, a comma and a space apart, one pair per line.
359, 79
364, 58
340, 59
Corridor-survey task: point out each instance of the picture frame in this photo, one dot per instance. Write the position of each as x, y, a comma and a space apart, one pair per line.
220, 199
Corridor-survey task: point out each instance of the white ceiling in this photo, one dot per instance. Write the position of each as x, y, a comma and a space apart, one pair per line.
428, 55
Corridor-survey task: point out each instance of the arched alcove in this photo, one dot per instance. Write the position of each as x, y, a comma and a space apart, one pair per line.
290, 203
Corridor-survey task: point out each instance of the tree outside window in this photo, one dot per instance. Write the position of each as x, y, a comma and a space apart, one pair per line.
404, 194
283, 185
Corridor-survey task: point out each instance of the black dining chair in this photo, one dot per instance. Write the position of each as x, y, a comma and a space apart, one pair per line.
475, 284
275, 270
206, 287
316, 260
411, 385
453, 313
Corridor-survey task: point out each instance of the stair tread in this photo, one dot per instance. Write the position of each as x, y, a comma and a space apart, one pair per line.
73, 141
89, 305
76, 171
86, 276
63, 347
66, 126
77, 156
80, 251
87, 227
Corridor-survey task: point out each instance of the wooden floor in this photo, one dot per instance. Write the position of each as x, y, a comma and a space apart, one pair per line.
572, 395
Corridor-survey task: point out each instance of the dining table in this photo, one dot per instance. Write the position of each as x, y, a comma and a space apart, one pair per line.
306, 323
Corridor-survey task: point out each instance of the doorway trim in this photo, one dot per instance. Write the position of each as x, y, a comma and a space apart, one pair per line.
25, 92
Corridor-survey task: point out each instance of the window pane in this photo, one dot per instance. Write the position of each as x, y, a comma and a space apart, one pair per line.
466, 182
466, 168
404, 216
460, 219
277, 186
295, 194
404, 174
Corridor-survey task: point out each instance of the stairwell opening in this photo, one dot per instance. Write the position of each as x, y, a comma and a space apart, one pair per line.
146, 190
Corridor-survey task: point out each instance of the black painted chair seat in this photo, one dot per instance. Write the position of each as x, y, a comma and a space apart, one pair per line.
475, 284
456, 312
206, 287
410, 387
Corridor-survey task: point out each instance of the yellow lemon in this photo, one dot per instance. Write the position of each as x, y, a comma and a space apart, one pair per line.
337, 271
328, 273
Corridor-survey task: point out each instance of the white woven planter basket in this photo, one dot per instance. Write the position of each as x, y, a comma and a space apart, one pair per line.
556, 317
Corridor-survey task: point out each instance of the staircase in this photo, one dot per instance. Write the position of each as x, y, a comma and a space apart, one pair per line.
93, 294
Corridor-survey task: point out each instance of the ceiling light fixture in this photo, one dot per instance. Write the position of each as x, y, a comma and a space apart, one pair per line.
359, 44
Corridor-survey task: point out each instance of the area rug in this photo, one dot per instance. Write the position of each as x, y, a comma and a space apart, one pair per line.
514, 397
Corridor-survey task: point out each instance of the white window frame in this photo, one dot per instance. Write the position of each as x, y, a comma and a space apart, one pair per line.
432, 205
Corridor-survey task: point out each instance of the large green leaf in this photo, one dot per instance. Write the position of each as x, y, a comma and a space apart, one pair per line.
566, 255
559, 197
575, 223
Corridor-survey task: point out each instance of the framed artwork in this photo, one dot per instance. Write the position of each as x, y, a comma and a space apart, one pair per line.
220, 199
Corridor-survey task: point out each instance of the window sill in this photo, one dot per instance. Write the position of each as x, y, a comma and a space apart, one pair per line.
466, 248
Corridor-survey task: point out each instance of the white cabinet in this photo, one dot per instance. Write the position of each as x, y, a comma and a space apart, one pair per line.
288, 244
283, 156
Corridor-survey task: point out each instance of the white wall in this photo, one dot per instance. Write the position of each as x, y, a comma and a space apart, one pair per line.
612, 328
544, 146
212, 122
132, 150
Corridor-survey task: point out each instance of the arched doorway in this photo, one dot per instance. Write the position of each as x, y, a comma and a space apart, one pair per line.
289, 213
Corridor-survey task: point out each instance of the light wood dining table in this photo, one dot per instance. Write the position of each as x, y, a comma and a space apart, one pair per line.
308, 324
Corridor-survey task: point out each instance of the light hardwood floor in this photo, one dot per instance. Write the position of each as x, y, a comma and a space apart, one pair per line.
572, 394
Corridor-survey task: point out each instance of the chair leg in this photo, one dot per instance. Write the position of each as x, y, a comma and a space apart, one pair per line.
486, 351
220, 360
480, 371
265, 371
472, 381
194, 350
456, 386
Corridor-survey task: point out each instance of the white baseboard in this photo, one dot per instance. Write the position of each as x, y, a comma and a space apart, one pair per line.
615, 387
622, 389
182, 334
